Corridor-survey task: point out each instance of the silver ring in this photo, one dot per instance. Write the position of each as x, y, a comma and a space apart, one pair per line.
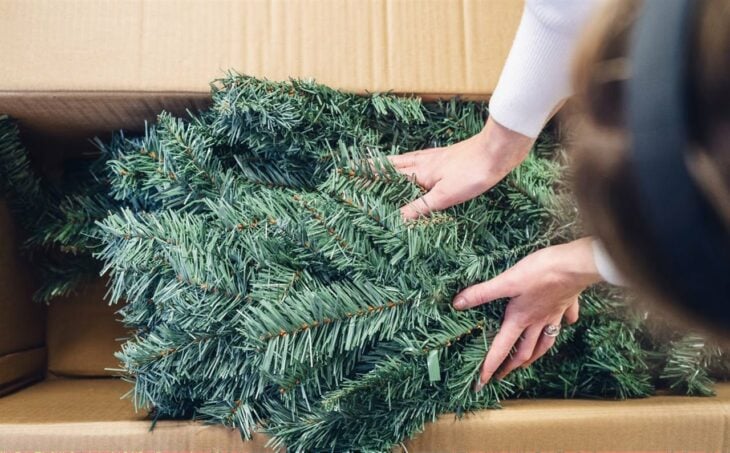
551, 330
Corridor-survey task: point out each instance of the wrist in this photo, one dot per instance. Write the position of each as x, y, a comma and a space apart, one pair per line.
504, 147
606, 268
578, 263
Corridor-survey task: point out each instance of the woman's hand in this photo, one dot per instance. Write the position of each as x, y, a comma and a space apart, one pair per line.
463, 171
543, 289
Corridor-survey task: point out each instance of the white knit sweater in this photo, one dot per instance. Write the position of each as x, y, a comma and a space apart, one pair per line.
536, 78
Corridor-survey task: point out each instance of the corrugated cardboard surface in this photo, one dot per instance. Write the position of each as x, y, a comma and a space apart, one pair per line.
87, 414
168, 436
663, 423
75, 69
19, 369
49, 116
23, 316
83, 333
22, 351
421, 46
70, 400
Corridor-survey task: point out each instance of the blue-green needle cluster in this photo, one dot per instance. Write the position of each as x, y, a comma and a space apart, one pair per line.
272, 285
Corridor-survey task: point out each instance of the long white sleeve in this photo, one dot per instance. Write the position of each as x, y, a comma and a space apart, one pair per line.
536, 75
536, 78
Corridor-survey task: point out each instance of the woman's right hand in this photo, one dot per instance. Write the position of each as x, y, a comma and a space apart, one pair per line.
460, 172
543, 290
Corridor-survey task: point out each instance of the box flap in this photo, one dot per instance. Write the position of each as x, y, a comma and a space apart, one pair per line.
427, 46
661, 423
87, 414
90, 415
74, 69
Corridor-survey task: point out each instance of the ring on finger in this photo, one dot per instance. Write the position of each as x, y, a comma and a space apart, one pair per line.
551, 330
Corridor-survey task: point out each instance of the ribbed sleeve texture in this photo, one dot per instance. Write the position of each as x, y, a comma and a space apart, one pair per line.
536, 78
536, 75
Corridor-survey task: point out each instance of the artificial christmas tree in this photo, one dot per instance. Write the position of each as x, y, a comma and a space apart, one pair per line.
271, 282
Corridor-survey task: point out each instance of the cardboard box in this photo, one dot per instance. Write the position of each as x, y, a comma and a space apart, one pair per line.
78, 68
72, 69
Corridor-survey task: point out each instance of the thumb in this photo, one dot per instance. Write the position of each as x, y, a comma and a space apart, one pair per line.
481, 293
435, 200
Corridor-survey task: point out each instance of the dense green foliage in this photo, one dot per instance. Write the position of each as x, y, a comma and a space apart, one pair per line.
58, 217
271, 283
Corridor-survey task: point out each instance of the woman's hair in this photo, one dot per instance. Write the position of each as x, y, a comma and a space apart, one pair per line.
603, 179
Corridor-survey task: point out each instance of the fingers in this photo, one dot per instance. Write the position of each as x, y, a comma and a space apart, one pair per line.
435, 200
571, 314
401, 161
412, 175
544, 343
498, 351
481, 293
532, 345
411, 165
523, 353
410, 159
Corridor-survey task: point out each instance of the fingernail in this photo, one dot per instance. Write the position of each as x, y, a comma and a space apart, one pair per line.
478, 385
460, 302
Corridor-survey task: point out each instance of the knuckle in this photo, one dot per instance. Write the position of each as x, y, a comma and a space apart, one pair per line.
553, 279
439, 189
440, 195
520, 319
558, 279
483, 181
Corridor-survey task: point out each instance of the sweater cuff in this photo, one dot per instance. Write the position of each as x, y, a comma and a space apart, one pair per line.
605, 265
536, 75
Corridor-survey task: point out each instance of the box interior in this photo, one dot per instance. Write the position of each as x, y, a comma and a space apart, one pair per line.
59, 393
87, 68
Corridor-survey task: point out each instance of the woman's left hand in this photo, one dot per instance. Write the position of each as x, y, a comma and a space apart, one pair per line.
543, 289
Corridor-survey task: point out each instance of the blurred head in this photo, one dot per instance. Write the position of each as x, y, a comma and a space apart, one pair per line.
604, 183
